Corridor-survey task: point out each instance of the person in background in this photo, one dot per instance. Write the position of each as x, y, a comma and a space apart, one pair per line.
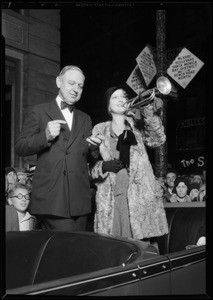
29, 184
18, 199
10, 178
59, 134
197, 179
181, 190
202, 193
22, 175
170, 177
194, 191
127, 204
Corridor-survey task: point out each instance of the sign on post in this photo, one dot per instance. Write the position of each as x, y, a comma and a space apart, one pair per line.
185, 66
145, 61
135, 81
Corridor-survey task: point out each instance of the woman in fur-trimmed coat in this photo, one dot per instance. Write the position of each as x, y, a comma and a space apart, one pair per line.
127, 202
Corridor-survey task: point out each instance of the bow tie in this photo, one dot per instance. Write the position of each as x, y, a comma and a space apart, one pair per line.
64, 105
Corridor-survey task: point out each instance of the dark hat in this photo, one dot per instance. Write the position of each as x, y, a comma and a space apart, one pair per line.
9, 169
194, 185
111, 90
181, 179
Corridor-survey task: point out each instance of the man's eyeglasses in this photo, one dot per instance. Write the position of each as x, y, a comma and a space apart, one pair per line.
20, 196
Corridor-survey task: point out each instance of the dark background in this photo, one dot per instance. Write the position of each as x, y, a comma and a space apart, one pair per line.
105, 39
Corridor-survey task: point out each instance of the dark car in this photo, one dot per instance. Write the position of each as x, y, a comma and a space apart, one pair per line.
87, 263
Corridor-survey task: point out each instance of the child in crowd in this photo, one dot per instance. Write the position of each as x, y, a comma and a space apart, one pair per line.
19, 198
22, 175
170, 177
180, 190
10, 177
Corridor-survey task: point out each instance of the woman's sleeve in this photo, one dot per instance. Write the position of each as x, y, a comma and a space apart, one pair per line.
154, 133
97, 172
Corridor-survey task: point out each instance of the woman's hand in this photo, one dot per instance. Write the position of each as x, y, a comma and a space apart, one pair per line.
112, 166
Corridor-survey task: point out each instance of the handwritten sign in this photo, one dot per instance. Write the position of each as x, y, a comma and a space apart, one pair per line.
184, 68
136, 81
145, 61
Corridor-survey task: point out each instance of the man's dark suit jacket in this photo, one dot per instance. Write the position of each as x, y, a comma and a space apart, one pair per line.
60, 184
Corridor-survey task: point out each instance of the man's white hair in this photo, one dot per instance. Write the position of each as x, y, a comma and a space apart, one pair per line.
70, 67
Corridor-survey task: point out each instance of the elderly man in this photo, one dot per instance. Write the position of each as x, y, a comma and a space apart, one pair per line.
60, 135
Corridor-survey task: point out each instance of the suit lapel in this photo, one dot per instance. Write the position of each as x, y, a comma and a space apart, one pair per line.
78, 121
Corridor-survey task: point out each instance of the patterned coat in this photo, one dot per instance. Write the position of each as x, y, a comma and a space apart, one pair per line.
147, 214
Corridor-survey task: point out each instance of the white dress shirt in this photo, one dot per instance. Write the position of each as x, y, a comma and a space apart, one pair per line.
66, 113
28, 222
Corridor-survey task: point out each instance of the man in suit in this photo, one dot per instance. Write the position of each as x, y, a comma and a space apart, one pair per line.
60, 135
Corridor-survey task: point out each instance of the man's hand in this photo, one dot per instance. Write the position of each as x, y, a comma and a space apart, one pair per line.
95, 141
53, 129
201, 241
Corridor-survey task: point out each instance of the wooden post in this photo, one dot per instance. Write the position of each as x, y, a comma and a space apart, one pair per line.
161, 152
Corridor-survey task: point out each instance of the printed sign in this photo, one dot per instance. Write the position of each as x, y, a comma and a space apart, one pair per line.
145, 61
191, 134
187, 163
136, 81
185, 66
191, 122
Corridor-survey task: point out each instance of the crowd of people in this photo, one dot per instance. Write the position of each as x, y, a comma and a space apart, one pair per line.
112, 156
183, 188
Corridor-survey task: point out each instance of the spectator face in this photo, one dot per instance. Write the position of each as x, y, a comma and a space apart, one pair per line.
12, 177
197, 179
170, 179
20, 199
22, 178
193, 194
29, 183
181, 189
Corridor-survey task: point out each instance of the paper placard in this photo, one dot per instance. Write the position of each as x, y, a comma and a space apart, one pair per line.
145, 61
185, 66
135, 81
